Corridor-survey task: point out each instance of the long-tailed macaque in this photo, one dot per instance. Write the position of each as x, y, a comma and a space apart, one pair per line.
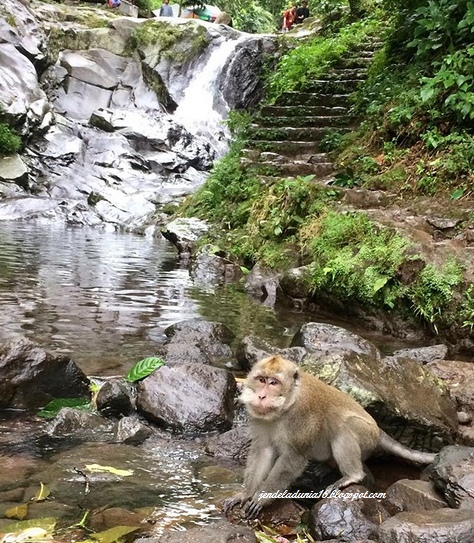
294, 418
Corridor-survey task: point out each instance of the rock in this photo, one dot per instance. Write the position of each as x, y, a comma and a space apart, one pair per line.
443, 223
453, 473
221, 532
413, 495
13, 170
201, 342
30, 377
347, 520
405, 398
184, 234
440, 526
262, 284
115, 398
424, 354
102, 520
294, 283
188, 397
132, 431
232, 444
80, 425
460, 378
213, 270
321, 337
251, 349
464, 418
223, 19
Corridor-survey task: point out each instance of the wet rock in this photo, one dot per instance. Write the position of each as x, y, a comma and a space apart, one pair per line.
14, 495
30, 377
413, 495
294, 283
115, 398
405, 398
184, 234
453, 474
201, 342
213, 270
251, 349
14, 470
262, 284
321, 337
80, 425
232, 444
424, 355
221, 532
115, 516
188, 397
441, 526
460, 378
132, 431
345, 519
13, 170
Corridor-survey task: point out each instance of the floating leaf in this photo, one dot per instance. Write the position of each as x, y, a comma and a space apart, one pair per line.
97, 468
38, 529
457, 194
114, 534
42, 493
19, 512
144, 368
54, 406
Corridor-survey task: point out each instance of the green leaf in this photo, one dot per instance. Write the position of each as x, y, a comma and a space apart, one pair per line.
457, 194
144, 368
380, 283
114, 534
244, 270
277, 231
50, 410
42, 493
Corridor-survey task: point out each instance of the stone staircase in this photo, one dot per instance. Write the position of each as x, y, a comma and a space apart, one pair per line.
285, 139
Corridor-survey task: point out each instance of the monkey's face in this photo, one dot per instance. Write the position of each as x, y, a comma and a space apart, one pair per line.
263, 396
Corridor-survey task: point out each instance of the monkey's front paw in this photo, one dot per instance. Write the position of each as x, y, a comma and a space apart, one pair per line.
253, 509
230, 503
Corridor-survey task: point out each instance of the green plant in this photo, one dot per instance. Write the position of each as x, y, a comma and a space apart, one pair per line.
467, 308
10, 142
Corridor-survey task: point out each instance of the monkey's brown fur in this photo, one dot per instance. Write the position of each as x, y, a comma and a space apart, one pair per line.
295, 417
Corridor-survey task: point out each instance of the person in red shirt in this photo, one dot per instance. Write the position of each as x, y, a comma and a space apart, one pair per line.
289, 18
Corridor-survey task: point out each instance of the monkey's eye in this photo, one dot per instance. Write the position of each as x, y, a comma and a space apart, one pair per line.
261, 379
274, 382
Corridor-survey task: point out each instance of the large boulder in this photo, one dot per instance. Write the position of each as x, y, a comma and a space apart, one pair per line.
232, 444
440, 526
200, 342
453, 474
251, 349
188, 398
184, 234
30, 377
406, 399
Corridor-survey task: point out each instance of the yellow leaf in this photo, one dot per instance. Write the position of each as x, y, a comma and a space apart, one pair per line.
38, 529
96, 468
42, 493
19, 512
114, 534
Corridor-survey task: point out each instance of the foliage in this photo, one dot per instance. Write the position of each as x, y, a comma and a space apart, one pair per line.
143, 368
10, 142
54, 406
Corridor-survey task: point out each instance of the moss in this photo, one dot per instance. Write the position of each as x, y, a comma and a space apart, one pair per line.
10, 142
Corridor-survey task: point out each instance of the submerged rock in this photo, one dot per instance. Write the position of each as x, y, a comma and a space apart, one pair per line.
188, 398
30, 377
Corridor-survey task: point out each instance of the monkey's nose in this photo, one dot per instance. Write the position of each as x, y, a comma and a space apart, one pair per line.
262, 397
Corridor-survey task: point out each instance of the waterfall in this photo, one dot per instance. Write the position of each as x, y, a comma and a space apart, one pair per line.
197, 111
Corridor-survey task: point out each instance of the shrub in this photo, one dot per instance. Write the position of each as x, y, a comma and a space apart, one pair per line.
10, 142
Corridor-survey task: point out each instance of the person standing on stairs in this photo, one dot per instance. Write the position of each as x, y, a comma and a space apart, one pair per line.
289, 18
302, 12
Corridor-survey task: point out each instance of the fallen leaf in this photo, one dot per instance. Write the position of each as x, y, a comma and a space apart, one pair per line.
97, 468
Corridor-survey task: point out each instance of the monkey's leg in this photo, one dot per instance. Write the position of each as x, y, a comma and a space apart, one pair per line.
348, 456
288, 467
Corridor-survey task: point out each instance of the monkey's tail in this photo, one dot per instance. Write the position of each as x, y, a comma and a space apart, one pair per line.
390, 445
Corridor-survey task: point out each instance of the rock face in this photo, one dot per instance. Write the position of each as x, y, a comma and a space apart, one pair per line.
189, 397
30, 377
453, 474
103, 145
406, 399
443, 526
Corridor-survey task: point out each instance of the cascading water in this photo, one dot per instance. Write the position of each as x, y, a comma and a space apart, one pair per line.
203, 107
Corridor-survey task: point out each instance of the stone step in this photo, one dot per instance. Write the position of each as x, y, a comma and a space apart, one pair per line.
301, 122
332, 85
292, 168
313, 99
286, 148
289, 133
301, 110
256, 155
347, 73
354, 63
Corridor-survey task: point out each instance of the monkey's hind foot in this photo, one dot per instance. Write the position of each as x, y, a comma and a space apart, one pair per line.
252, 510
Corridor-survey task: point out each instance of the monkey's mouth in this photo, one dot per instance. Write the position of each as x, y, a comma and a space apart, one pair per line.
263, 410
